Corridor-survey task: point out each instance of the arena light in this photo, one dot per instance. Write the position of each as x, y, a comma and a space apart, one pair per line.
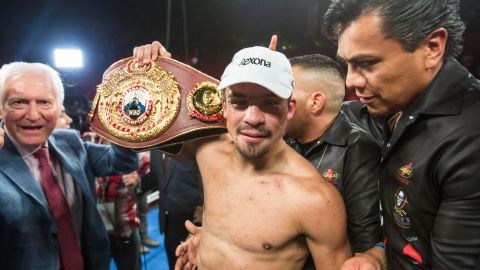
68, 58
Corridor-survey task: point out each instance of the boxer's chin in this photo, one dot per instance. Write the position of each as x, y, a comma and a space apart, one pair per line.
252, 152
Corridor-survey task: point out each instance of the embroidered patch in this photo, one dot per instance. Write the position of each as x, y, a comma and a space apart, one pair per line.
400, 215
405, 173
331, 176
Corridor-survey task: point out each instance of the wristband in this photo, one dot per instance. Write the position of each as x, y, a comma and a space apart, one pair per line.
380, 245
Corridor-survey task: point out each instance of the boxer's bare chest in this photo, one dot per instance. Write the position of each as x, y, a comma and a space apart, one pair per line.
250, 211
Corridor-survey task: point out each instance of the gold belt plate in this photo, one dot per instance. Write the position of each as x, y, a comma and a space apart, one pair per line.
137, 104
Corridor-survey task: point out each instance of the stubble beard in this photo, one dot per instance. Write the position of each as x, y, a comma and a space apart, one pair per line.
252, 152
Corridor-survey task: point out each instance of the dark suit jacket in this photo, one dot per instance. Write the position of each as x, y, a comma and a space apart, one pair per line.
180, 188
180, 193
27, 229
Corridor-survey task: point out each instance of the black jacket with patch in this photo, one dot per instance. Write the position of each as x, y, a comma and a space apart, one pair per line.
429, 177
348, 157
358, 114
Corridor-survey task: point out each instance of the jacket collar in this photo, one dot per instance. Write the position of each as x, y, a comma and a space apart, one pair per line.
336, 134
15, 168
69, 160
445, 94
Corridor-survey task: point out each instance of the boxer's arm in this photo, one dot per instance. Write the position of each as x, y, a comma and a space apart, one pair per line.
324, 224
191, 148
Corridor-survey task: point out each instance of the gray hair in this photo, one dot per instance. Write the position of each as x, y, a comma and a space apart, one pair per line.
18, 68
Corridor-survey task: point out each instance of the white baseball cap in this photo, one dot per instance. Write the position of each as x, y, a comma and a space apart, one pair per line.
262, 66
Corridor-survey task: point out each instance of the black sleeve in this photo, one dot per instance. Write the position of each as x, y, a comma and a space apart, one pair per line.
148, 182
455, 237
151, 180
358, 114
361, 193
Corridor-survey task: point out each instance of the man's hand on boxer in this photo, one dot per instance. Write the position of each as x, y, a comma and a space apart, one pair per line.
187, 251
2, 139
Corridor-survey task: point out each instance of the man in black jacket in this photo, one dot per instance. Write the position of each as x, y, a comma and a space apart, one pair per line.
346, 155
181, 195
400, 63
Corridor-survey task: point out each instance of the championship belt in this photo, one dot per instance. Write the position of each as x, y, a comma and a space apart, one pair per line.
160, 105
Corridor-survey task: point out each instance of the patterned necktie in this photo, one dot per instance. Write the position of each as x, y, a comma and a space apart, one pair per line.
70, 253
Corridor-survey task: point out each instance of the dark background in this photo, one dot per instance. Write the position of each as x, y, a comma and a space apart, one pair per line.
210, 32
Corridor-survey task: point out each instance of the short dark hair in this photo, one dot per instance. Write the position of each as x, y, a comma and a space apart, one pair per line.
408, 21
317, 62
329, 74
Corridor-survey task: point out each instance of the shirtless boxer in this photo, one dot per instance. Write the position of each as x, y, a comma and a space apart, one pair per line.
264, 205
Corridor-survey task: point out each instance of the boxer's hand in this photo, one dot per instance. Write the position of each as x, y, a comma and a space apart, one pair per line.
149, 52
273, 43
2, 135
187, 251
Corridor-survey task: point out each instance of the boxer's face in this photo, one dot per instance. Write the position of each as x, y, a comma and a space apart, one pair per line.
383, 74
30, 109
256, 118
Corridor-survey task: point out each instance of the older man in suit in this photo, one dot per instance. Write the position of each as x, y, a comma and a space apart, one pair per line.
48, 216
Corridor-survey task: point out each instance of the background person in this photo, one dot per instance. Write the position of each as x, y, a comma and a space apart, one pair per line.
400, 58
64, 120
48, 216
345, 154
181, 198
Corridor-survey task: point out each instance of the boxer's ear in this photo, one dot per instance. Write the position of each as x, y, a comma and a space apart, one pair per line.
292, 105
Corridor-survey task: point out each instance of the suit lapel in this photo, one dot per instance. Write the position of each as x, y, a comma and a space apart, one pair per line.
15, 168
69, 161
169, 174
